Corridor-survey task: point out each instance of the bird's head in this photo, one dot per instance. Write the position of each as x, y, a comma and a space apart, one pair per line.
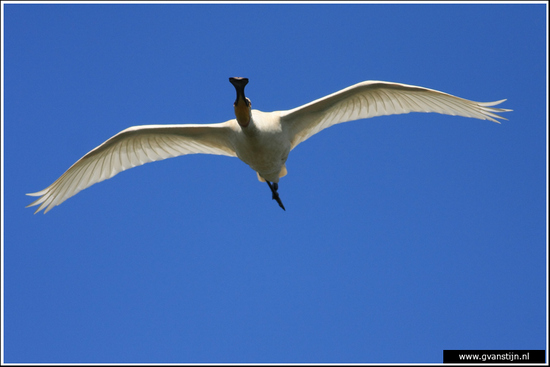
242, 104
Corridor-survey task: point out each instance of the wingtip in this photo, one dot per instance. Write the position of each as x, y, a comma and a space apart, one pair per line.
36, 211
41, 205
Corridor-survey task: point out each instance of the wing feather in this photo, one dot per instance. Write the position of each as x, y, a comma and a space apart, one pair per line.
133, 147
376, 98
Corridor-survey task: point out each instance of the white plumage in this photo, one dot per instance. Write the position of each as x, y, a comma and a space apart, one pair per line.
261, 140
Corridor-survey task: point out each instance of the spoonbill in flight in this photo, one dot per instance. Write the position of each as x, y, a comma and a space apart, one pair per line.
262, 140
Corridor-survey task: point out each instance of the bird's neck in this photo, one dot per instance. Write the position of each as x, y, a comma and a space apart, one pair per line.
242, 111
250, 129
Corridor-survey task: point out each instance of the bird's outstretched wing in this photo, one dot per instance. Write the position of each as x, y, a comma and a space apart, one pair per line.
132, 147
376, 98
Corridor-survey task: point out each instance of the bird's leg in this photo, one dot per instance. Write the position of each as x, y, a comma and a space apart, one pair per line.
275, 196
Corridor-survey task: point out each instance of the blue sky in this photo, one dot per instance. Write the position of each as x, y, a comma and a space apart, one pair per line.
403, 235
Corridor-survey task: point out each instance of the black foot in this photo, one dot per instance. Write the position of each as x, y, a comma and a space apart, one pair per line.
275, 196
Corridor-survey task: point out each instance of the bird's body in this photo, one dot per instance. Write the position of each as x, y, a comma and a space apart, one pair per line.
264, 146
263, 140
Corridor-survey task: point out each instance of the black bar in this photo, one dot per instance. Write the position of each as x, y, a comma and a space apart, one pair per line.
494, 356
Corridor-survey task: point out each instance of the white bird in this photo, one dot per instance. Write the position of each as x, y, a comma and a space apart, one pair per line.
262, 140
